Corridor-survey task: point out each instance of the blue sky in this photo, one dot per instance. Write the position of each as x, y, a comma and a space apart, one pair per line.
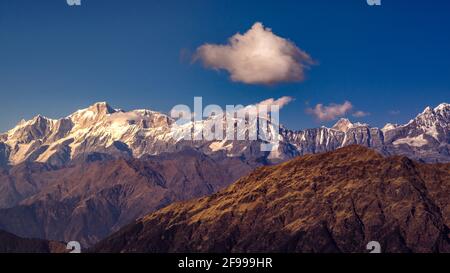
390, 61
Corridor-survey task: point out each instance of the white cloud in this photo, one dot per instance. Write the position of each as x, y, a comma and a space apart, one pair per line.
185, 112
262, 107
256, 57
281, 102
331, 111
360, 114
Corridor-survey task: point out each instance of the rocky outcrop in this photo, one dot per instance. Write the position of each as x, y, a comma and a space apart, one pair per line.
330, 202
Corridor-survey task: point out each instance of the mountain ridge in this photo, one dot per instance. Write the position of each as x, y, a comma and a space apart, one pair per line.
100, 128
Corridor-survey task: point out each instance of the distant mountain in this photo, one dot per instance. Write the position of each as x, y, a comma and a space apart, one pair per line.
425, 138
103, 130
331, 202
10, 243
98, 128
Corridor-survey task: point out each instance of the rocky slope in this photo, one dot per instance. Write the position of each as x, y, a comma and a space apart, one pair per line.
10, 243
87, 201
332, 202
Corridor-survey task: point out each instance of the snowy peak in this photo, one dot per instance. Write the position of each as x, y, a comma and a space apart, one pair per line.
429, 128
342, 125
431, 120
93, 113
98, 128
101, 108
442, 107
36, 128
427, 110
389, 126
442, 111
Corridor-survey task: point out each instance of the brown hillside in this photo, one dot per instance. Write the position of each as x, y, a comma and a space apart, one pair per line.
331, 202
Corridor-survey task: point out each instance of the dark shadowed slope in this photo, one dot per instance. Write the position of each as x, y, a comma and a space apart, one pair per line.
331, 202
10, 243
88, 201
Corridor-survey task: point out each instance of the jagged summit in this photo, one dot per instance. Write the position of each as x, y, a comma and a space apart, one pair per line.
427, 109
343, 125
95, 111
443, 106
102, 108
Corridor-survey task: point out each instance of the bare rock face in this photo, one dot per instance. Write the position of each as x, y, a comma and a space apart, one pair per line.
331, 202
11, 243
4, 155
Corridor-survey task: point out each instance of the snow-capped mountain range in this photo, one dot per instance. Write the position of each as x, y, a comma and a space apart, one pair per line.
100, 131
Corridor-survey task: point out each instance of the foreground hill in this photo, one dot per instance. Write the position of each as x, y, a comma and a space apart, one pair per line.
331, 202
10, 243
